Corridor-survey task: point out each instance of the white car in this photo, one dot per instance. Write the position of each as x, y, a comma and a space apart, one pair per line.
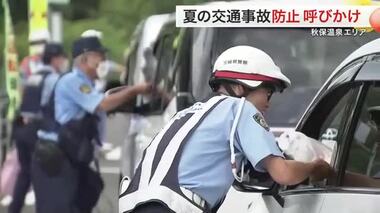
345, 112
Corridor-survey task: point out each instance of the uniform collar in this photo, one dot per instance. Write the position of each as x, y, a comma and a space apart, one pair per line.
83, 75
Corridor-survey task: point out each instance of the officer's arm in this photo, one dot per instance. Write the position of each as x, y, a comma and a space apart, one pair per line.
259, 145
114, 100
290, 172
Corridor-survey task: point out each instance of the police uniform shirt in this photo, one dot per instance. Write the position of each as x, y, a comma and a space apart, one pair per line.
205, 166
75, 95
47, 91
102, 117
49, 83
47, 88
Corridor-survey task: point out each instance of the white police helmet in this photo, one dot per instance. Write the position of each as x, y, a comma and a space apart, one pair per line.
249, 67
42, 35
92, 33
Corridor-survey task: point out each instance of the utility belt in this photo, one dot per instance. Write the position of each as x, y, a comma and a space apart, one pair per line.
171, 199
24, 130
77, 139
78, 148
50, 157
73, 141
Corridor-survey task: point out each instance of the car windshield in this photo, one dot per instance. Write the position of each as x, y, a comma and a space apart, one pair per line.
305, 59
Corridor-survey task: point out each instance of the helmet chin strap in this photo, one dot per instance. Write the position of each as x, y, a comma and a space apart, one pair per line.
230, 91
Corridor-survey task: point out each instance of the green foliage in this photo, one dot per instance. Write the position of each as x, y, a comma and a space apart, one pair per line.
82, 9
113, 38
19, 10
117, 20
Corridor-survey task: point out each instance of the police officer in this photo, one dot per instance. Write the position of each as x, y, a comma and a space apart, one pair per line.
32, 63
71, 189
36, 94
191, 164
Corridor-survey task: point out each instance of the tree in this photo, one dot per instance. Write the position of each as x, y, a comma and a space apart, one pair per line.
117, 20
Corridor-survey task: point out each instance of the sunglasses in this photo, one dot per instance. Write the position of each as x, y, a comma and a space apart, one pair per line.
270, 90
269, 94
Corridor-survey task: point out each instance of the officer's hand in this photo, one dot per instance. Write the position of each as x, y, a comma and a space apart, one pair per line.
321, 170
144, 88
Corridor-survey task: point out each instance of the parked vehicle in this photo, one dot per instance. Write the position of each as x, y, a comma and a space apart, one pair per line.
345, 112
144, 55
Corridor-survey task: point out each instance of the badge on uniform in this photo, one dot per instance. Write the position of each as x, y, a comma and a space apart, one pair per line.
84, 88
260, 120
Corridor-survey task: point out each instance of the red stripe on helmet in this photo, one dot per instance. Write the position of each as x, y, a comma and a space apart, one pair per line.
243, 76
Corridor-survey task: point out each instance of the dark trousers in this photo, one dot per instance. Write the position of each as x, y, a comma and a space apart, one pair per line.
55, 194
152, 207
25, 150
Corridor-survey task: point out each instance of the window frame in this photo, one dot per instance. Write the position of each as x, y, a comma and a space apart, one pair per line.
156, 105
346, 132
161, 44
351, 133
342, 83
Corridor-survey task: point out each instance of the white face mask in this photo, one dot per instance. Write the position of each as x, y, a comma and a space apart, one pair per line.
103, 69
37, 49
64, 66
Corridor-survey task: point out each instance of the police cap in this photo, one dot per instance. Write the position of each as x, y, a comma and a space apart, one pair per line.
87, 44
52, 50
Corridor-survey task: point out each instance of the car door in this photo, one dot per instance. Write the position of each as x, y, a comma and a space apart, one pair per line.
126, 165
327, 121
149, 117
358, 184
331, 124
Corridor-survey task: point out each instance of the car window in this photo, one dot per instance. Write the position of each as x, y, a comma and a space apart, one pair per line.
326, 118
164, 52
181, 70
330, 116
332, 124
364, 154
131, 64
132, 54
165, 59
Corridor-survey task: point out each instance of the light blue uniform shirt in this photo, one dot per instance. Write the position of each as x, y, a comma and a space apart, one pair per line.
75, 95
47, 91
49, 84
205, 165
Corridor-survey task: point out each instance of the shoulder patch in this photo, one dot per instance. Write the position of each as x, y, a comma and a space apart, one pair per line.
261, 121
84, 88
